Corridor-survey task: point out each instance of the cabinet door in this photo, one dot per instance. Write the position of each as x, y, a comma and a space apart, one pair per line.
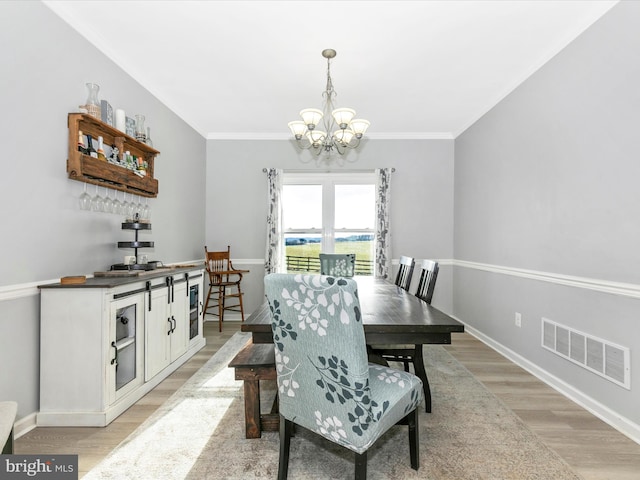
195, 308
158, 327
180, 318
125, 361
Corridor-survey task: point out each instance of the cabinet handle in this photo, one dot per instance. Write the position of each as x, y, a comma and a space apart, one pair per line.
186, 278
170, 326
175, 324
168, 282
148, 285
114, 360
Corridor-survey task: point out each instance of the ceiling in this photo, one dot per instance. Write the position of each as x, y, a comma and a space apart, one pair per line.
415, 69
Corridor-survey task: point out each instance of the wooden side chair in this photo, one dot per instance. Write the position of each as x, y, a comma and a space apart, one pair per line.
412, 354
325, 383
223, 280
338, 264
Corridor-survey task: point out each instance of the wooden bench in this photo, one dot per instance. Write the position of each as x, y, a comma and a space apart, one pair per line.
255, 362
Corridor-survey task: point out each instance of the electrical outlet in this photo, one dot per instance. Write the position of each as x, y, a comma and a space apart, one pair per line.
518, 319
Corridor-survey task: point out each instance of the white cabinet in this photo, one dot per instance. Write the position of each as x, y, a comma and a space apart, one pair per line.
106, 343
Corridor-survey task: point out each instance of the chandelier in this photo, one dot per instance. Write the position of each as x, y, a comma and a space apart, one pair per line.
341, 131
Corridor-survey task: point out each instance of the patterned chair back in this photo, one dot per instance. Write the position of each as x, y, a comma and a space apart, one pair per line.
321, 356
338, 264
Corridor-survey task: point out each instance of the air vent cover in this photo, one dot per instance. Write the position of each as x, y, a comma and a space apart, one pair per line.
599, 356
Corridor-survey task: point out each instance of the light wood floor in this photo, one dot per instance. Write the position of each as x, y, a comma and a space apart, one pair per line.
591, 447
594, 449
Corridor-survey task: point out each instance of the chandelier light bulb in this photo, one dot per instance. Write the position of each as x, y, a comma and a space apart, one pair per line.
344, 136
343, 116
316, 137
359, 126
298, 128
311, 117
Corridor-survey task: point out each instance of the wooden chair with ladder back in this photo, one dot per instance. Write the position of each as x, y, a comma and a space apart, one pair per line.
223, 279
412, 354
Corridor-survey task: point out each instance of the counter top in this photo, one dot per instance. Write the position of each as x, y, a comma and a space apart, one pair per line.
126, 278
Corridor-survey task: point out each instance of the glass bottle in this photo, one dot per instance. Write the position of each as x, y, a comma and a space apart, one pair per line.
93, 104
148, 141
90, 150
141, 132
81, 147
101, 155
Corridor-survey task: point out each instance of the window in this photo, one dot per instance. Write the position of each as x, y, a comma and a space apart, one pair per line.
331, 213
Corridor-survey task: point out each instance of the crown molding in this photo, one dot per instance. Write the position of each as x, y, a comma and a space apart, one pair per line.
372, 136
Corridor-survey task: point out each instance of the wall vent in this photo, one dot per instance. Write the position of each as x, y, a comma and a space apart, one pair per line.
604, 358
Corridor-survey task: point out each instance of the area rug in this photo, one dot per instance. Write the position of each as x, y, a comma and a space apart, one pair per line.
198, 434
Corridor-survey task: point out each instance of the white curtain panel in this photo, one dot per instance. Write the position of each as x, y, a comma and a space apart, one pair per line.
383, 235
274, 248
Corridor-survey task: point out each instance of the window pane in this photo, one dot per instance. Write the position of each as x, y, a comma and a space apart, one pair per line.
355, 206
302, 252
302, 206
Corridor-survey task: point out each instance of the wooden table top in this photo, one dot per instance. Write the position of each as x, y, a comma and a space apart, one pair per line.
390, 315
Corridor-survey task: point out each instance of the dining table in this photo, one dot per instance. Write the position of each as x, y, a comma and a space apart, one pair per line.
390, 316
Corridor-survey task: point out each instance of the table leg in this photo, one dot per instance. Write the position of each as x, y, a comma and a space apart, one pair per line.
252, 408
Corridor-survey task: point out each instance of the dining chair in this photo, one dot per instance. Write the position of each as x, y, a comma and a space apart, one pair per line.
8, 410
223, 279
338, 264
412, 354
405, 272
325, 383
427, 282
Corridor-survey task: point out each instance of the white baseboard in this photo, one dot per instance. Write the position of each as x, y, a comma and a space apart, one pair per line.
622, 424
24, 425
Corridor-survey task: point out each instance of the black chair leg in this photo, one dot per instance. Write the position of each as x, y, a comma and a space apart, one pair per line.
414, 439
418, 365
7, 449
361, 466
285, 441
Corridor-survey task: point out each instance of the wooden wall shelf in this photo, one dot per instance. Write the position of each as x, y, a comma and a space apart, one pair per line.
85, 168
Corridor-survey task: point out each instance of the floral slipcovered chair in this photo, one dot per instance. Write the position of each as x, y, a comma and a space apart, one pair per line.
338, 264
325, 383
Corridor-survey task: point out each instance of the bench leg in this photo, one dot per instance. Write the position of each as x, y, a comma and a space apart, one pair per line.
252, 408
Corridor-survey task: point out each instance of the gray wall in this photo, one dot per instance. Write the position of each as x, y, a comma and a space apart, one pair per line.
548, 181
45, 66
421, 200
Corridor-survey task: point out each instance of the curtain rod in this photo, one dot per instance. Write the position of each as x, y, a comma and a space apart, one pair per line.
393, 169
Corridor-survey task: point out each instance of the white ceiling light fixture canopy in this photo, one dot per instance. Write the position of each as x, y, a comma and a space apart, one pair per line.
347, 131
